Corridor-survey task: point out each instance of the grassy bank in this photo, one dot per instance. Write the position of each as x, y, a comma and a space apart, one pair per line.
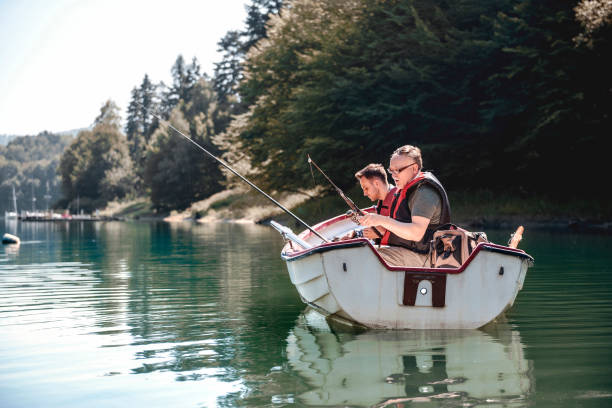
478, 209
482, 209
134, 208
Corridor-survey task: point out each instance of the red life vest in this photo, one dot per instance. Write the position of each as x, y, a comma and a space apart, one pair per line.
401, 197
384, 206
422, 246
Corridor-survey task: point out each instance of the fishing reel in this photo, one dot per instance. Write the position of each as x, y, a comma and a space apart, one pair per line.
353, 216
355, 233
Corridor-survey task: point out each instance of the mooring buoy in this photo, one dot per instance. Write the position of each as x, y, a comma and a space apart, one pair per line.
10, 239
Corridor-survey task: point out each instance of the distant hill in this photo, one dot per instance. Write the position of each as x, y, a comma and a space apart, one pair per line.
73, 132
5, 139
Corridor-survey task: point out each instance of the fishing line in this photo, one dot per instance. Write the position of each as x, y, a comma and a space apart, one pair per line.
227, 166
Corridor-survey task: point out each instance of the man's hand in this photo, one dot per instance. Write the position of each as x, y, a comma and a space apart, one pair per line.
370, 219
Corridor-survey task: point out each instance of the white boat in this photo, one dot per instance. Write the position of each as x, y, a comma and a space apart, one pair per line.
12, 215
350, 282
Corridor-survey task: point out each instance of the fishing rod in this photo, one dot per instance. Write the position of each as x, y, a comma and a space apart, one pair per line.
348, 201
227, 166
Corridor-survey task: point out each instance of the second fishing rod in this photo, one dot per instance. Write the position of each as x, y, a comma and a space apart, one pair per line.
349, 202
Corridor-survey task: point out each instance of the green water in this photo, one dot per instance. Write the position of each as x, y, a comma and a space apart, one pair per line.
160, 315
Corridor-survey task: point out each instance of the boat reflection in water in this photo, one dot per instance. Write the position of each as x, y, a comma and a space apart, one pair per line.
394, 368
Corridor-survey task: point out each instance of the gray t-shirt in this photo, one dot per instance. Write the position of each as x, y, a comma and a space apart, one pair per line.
426, 202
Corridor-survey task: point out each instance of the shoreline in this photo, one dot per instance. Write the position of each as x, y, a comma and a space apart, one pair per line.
500, 223
476, 224
239, 205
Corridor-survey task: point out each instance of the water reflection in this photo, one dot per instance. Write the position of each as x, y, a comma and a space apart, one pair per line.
11, 251
141, 303
391, 368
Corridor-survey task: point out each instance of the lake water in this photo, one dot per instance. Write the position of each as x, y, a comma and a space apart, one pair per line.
180, 315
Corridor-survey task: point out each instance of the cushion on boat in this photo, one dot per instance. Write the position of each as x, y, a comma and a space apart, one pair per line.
452, 245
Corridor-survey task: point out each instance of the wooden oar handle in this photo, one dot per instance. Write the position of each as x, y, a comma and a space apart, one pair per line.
516, 237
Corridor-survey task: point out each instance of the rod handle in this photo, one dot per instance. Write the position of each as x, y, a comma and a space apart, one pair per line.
516, 237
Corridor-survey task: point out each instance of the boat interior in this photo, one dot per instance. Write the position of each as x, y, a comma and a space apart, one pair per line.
337, 230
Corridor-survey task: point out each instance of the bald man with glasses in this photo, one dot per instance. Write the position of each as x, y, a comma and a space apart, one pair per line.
420, 207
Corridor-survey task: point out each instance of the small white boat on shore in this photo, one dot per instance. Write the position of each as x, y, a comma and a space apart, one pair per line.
350, 282
12, 215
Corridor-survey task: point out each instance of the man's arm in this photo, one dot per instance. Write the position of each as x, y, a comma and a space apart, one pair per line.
412, 231
426, 201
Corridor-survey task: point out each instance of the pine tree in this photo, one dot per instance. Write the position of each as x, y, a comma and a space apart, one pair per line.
235, 46
228, 72
177, 173
141, 123
184, 78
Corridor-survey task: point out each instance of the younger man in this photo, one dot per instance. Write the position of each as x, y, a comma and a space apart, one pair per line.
373, 181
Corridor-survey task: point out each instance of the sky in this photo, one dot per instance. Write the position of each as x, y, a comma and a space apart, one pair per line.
60, 60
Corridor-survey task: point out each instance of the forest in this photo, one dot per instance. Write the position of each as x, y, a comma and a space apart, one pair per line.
507, 96
29, 164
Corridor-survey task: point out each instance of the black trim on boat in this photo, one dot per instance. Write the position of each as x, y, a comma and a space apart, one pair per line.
507, 252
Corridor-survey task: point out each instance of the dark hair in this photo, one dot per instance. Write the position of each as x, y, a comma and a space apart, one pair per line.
411, 151
373, 170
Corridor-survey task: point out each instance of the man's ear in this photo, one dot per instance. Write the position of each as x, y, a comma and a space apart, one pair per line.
378, 183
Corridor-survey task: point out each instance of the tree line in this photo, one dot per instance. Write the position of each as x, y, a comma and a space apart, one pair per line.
505, 95
28, 164
146, 157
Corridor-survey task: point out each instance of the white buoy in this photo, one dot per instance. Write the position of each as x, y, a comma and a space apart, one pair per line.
10, 239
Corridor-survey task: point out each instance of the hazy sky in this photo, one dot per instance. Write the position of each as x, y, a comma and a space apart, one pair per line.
60, 60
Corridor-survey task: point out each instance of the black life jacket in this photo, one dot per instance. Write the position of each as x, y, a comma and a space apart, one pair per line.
401, 212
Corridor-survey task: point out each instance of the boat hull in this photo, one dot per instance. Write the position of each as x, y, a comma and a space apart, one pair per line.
349, 281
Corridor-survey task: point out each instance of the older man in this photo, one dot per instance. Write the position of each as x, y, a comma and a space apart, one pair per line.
373, 181
421, 206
